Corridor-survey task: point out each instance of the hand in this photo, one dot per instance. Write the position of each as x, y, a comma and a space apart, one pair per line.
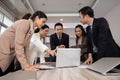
53, 52
32, 68
89, 59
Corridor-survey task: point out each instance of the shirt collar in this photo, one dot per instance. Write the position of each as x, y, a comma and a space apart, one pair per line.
91, 22
59, 36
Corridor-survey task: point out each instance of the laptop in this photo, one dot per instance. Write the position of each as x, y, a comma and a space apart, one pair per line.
106, 66
66, 57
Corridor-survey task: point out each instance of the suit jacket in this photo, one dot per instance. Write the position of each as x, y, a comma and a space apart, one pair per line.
37, 48
15, 42
83, 45
54, 42
102, 39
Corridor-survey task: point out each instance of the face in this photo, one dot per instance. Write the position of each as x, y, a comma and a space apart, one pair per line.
83, 18
44, 32
59, 30
78, 32
39, 22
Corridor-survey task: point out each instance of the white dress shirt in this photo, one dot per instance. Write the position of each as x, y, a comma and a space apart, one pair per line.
37, 48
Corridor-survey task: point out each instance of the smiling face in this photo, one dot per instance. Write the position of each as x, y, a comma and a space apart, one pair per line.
44, 32
59, 30
78, 32
39, 22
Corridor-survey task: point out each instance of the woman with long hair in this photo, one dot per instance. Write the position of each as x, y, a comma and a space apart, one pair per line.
82, 42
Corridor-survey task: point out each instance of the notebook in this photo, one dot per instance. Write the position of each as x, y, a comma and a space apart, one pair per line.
66, 57
106, 66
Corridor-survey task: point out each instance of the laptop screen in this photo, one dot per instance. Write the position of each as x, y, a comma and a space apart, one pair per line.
67, 57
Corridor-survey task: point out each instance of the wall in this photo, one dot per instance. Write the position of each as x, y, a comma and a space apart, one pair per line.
113, 18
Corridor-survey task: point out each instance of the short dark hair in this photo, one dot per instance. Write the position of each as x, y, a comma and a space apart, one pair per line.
58, 24
45, 26
40, 14
26, 16
37, 30
87, 11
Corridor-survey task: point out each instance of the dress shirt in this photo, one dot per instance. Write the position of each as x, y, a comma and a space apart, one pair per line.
37, 48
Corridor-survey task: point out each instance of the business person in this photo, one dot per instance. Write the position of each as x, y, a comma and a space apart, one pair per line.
15, 42
81, 42
58, 39
100, 40
37, 47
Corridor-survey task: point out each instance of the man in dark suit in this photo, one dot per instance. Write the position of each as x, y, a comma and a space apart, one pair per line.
100, 40
58, 39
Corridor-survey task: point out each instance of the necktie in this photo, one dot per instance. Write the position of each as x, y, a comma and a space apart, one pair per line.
59, 38
90, 31
91, 38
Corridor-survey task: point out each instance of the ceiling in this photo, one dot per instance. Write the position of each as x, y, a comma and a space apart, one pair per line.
60, 6
67, 10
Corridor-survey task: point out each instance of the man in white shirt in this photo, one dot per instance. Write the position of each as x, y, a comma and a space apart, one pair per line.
37, 48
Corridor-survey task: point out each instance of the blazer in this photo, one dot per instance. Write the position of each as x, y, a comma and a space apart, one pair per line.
37, 48
15, 42
83, 45
102, 39
54, 41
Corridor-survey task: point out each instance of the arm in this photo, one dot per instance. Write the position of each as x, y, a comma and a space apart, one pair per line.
39, 44
20, 33
102, 37
21, 38
35, 40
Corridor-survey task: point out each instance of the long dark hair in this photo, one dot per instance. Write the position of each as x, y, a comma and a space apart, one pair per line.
40, 14
26, 16
83, 32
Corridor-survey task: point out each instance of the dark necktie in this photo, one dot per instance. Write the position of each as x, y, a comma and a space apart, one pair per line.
90, 31
59, 38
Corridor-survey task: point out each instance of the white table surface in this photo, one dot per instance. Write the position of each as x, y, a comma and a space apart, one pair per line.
58, 74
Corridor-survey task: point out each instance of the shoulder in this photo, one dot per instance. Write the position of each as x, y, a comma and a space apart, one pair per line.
22, 24
65, 34
35, 36
52, 35
102, 19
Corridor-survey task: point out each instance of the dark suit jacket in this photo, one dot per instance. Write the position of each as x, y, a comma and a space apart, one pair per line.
102, 39
54, 42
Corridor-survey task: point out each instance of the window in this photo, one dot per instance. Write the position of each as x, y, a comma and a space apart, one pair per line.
4, 22
7, 21
1, 17
2, 29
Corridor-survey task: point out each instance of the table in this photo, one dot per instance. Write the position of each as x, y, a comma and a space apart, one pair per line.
20, 75
58, 74
72, 74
